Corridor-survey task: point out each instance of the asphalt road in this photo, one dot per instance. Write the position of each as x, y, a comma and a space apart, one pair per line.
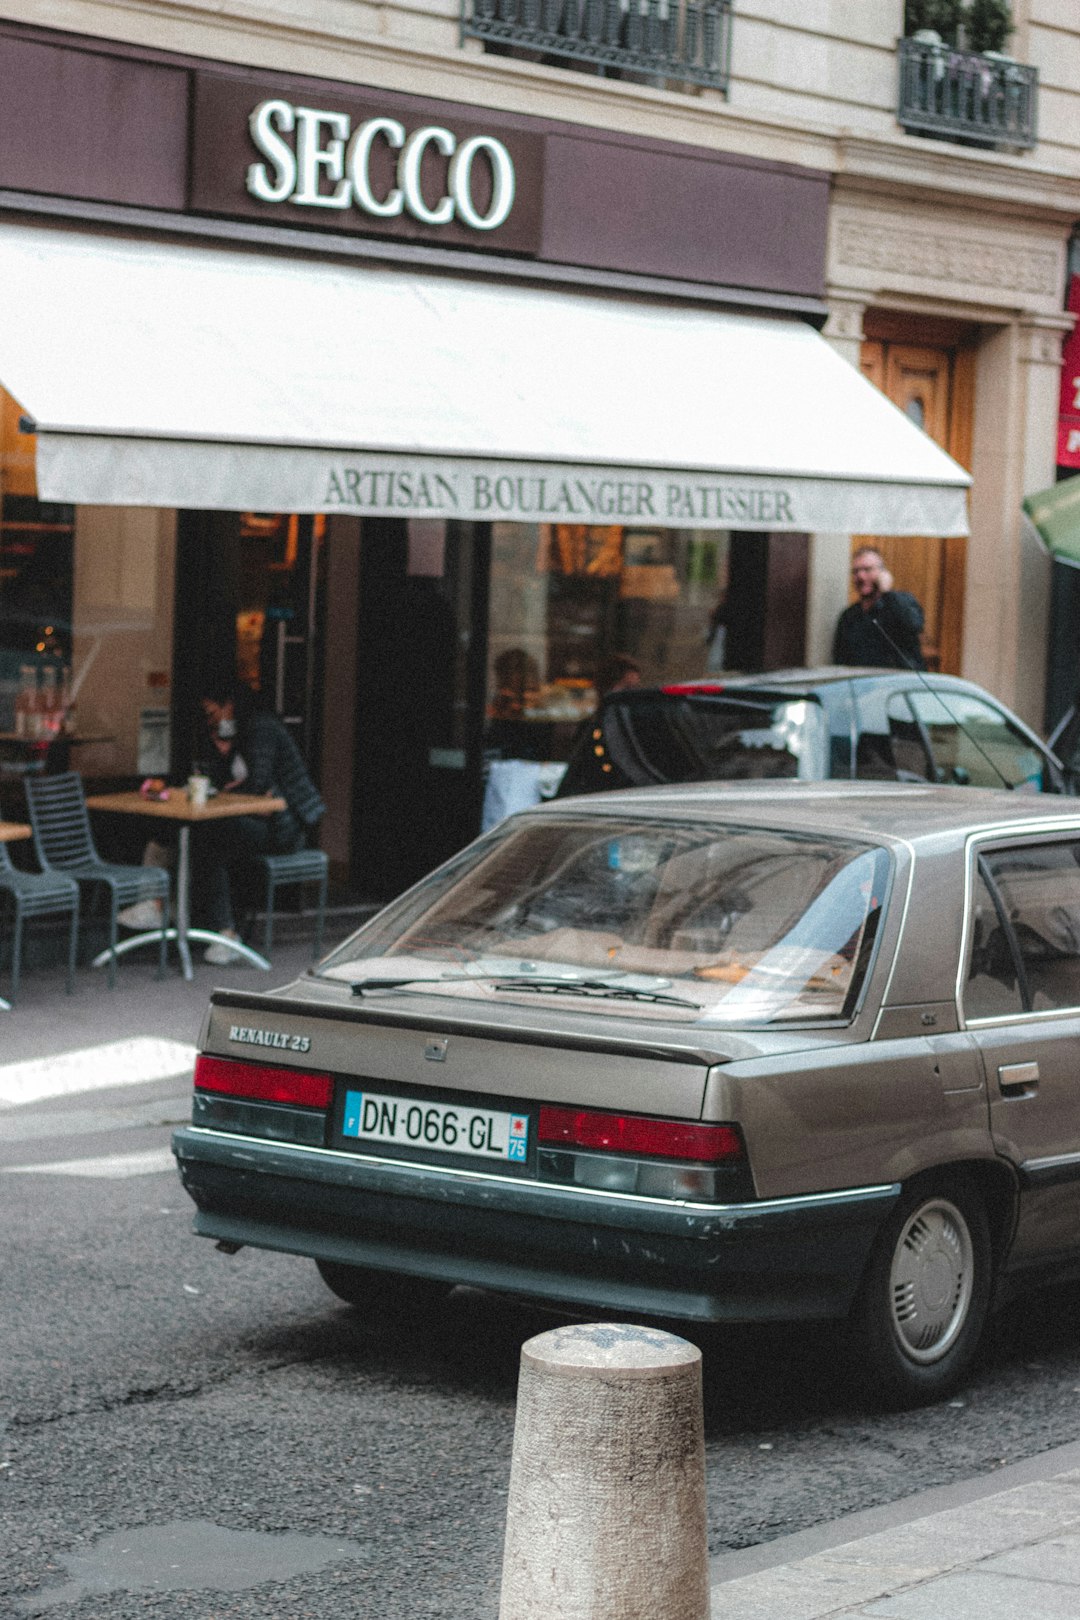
191, 1436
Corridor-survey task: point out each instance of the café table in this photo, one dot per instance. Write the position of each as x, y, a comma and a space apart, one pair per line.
179, 811
10, 833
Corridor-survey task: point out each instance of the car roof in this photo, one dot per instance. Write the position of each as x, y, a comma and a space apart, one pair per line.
881, 810
825, 675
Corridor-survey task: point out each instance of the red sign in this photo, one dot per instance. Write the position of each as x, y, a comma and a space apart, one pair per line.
1068, 452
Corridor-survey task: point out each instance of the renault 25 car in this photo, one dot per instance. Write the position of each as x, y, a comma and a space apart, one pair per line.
714, 1053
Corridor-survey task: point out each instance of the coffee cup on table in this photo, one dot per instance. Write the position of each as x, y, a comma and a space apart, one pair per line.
198, 791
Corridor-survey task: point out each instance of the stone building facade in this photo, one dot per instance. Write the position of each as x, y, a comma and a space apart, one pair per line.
940, 271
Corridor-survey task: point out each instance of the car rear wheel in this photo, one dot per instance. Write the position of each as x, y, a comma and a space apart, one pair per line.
381, 1290
923, 1302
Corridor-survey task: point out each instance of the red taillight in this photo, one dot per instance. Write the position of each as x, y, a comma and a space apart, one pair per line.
630, 1133
693, 688
263, 1083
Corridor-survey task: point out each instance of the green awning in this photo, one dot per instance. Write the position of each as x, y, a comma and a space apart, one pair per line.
1055, 514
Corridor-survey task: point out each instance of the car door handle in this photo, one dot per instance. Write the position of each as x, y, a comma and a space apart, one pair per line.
1018, 1079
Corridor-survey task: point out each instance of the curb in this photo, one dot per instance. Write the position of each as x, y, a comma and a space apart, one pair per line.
840, 1581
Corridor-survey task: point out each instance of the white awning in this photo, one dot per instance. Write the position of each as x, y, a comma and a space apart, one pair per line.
166, 374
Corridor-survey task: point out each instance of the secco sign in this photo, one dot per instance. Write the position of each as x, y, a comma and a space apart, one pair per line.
319, 159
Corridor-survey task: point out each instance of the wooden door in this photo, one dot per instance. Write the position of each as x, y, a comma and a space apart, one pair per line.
18, 471
933, 385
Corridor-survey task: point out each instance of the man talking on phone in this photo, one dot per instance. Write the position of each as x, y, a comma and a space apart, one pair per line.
882, 628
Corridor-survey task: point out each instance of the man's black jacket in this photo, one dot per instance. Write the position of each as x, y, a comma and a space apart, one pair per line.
885, 636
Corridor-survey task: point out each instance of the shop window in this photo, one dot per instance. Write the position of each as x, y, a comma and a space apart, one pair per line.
86, 600
274, 610
36, 541
576, 607
35, 601
250, 611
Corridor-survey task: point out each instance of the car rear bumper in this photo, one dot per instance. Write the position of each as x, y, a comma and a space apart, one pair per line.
780, 1259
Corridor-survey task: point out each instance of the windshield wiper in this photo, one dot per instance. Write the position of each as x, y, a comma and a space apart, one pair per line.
545, 986
594, 987
360, 987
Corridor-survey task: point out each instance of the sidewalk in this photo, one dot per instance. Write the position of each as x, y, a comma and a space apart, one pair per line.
1006, 1548
46, 1021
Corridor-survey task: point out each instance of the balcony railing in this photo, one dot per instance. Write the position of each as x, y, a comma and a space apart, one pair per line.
967, 97
685, 41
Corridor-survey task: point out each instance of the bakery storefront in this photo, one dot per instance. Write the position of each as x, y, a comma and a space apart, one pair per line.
412, 415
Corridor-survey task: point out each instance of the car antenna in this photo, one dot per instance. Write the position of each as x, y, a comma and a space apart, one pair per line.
907, 663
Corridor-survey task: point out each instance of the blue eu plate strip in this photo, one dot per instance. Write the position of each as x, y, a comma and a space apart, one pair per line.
354, 1101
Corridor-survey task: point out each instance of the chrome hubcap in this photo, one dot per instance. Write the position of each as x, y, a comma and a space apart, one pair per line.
931, 1280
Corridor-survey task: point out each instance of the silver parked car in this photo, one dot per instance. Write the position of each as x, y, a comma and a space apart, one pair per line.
723, 1053
809, 724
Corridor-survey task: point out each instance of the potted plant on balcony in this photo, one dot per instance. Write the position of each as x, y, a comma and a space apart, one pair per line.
933, 22
987, 26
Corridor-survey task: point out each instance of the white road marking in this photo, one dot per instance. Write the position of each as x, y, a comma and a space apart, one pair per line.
113, 1167
94, 1068
34, 1125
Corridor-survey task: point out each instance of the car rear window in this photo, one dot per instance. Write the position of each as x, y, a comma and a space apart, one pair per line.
666, 737
690, 922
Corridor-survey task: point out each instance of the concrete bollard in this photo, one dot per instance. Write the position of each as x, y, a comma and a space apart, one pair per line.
606, 1512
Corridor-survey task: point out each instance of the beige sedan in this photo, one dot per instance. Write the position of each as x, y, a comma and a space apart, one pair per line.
729, 1054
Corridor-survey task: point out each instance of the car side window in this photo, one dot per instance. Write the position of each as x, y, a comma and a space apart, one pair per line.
1066, 743
993, 984
1039, 890
913, 764
974, 744
890, 746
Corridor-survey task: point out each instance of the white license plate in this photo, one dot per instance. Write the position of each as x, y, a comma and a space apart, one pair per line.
448, 1127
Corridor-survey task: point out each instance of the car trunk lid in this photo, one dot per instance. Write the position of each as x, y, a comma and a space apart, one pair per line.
529, 1057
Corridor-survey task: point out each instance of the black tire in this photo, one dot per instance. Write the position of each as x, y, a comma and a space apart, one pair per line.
381, 1291
923, 1301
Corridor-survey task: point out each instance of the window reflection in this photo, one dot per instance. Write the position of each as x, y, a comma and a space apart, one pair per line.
573, 606
36, 559
1039, 889
742, 926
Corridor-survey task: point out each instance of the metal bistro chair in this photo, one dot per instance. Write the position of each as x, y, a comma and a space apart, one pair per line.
64, 844
305, 866
38, 894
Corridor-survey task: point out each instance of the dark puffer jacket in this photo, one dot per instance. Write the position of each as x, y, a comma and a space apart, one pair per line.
276, 765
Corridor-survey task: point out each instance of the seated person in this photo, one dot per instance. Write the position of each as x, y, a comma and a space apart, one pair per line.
250, 750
